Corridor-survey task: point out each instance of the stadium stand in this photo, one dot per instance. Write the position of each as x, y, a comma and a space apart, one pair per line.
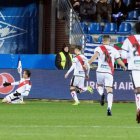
127, 2
110, 28
84, 27
94, 28
120, 38
89, 39
133, 15
99, 39
124, 28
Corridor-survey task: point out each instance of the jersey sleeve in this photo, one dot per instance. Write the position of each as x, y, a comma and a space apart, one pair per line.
125, 49
15, 83
72, 66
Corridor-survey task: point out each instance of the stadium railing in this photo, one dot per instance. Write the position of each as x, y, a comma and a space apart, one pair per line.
76, 33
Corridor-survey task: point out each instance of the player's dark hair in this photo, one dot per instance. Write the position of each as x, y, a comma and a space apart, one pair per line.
78, 47
28, 73
106, 37
137, 27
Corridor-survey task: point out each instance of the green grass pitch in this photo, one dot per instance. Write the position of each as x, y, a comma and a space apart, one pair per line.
40, 120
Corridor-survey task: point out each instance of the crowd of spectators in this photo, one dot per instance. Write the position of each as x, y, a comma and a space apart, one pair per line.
108, 10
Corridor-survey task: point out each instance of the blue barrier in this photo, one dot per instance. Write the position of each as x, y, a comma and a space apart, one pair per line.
50, 84
36, 61
8, 61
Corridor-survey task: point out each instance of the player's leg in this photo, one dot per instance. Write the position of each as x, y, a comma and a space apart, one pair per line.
100, 87
8, 98
109, 89
18, 100
73, 91
136, 83
81, 86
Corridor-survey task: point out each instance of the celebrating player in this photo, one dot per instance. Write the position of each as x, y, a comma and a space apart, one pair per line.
24, 87
106, 55
80, 73
131, 52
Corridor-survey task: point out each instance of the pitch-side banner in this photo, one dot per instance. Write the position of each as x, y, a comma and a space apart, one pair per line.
18, 28
50, 84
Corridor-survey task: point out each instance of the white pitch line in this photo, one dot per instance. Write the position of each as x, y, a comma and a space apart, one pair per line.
69, 126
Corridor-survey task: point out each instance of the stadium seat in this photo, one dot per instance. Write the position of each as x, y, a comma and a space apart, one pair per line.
94, 28
84, 27
121, 38
89, 39
110, 28
133, 15
126, 2
124, 28
100, 39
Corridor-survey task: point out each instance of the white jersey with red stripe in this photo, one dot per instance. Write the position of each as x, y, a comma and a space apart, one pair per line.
77, 67
130, 53
103, 65
24, 86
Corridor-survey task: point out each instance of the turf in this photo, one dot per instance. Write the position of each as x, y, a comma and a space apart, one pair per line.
38, 120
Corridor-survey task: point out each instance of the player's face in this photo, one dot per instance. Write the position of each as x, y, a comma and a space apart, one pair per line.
106, 41
25, 76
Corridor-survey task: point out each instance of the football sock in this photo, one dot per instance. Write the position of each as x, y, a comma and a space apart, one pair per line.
74, 96
110, 100
137, 98
100, 90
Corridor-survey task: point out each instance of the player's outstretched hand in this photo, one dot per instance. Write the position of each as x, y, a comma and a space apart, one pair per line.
17, 94
66, 75
6, 84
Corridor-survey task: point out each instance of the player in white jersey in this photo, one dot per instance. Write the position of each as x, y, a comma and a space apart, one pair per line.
24, 87
131, 52
80, 73
106, 55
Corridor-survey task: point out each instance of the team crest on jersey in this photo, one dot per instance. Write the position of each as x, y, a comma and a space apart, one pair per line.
6, 77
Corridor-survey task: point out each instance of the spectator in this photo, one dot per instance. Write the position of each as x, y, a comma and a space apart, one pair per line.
76, 5
134, 4
87, 10
104, 10
119, 11
64, 58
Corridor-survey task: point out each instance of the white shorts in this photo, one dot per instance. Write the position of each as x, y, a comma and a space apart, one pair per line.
104, 79
14, 99
136, 78
78, 81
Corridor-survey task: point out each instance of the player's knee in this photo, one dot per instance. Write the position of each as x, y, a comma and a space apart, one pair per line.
72, 89
109, 89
